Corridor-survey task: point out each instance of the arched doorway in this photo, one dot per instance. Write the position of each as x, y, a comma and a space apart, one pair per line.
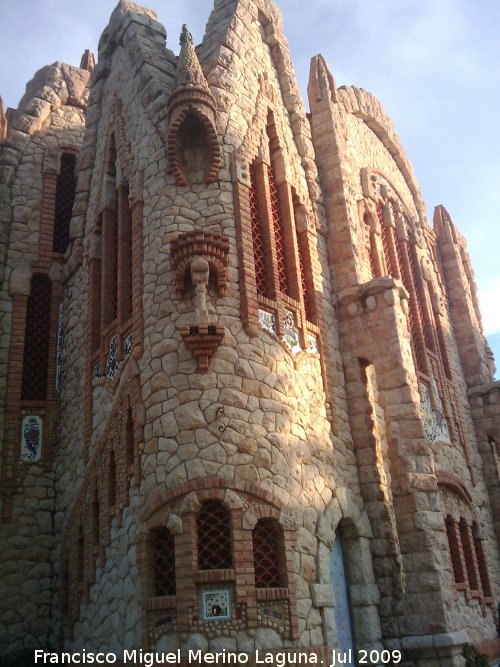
339, 582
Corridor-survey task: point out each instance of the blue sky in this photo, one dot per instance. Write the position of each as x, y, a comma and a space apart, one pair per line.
434, 65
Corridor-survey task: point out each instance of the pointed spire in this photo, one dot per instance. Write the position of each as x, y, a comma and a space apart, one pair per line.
3, 123
88, 61
321, 82
189, 70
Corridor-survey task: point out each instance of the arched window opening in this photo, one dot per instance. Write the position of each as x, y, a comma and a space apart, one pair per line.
194, 150
37, 340
469, 555
279, 234
65, 197
481, 562
112, 479
268, 554
110, 245
96, 511
261, 271
214, 537
129, 439
384, 236
453, 535
125, 252
340, 585
163, 544
80, 555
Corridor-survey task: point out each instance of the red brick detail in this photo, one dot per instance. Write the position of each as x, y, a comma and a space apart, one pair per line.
192, 117
88, 526
65, 196
214, 537
202, 340
484, 576
189, 546
161, 498
37, 337
211, 246
44, 403
469, 556
268, 556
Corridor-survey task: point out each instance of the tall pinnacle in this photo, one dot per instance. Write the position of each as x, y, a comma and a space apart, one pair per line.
188, 66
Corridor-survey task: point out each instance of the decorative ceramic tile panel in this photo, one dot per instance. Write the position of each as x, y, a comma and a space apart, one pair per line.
216, 605
312, 344
291, 335
60, 345
112, 360
435, 426
128, 345
267, 320
31, 438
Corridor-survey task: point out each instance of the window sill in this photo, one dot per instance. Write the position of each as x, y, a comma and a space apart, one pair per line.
272, 593
210, 576
162, 602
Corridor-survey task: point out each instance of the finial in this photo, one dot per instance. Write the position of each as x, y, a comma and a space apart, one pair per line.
88, 61
186, 36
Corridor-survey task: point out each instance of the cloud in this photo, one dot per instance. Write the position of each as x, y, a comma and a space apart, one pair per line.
489, 300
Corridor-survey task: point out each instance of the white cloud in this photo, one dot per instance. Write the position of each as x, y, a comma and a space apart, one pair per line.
489, 301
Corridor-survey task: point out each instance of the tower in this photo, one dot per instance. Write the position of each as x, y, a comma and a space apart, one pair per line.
251, 428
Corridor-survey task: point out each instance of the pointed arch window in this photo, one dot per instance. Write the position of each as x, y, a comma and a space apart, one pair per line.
37, 340
268, 554
65, 197
163, 546
214, 537
284, 296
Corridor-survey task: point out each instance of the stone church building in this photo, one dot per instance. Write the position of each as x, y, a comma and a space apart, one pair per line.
245, 397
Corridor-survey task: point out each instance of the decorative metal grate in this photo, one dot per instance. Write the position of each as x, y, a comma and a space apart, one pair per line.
112, 480
384, 235
453, 544
267, 554
481, 562
258, 238
305, 282
442, 347
129, 438
36, 341
468, 549
164, 561
418, 352
96, 511
214, 537
279, 234
65, 196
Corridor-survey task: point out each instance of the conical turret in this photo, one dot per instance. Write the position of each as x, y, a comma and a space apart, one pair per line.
193, 147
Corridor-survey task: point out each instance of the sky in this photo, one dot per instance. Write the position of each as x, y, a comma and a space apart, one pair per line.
433, 64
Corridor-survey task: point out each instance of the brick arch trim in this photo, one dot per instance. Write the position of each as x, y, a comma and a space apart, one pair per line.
173, 151
210, 485
366, 106
451, 481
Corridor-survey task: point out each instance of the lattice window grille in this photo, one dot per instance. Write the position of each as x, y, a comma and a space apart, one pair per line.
418, 353
261, 276
65, 196
468, 549
482, 565
279, 234
306, 280
267, 554
453, 544
384, 235
214, 537
164, 562
36, 342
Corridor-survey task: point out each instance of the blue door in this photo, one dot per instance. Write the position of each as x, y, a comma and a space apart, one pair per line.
338, 578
